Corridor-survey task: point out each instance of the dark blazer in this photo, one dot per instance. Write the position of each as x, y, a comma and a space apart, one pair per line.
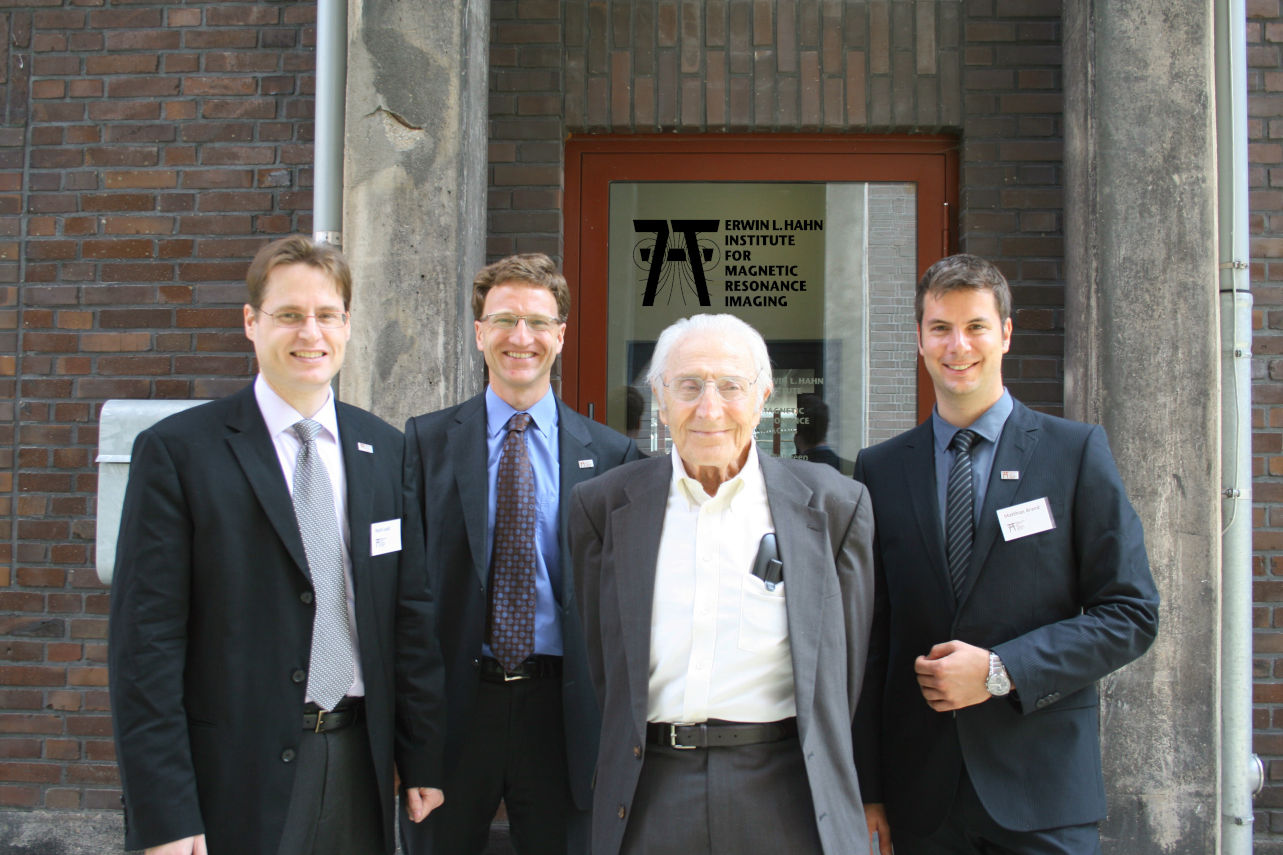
211, 626
1062, 608
825, 535
448, 448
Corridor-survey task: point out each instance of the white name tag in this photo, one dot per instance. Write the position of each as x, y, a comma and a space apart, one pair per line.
385, 537
1024, 520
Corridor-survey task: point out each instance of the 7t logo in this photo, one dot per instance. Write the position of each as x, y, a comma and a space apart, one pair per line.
679, 266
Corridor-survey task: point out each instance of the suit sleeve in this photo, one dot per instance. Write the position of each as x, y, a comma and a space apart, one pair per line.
147, 651
586, 541
867, 731
419, 670
1119, 617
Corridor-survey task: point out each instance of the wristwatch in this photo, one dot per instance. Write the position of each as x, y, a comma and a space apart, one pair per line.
998, 683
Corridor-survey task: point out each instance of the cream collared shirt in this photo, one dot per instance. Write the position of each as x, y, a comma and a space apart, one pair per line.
719, 644
281, 418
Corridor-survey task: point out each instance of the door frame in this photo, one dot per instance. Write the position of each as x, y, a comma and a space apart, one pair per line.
592, 162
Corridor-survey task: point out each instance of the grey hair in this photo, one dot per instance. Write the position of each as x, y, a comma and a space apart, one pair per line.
719, 326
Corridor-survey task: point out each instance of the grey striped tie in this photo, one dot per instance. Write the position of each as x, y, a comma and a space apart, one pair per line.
330, 673
959, 515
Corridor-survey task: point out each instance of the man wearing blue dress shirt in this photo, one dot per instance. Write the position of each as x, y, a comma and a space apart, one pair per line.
522, 721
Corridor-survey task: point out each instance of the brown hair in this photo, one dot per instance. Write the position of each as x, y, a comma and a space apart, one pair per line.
963, 271
298, 249
533, 268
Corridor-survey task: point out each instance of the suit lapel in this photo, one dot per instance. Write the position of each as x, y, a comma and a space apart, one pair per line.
1015, 448
256, 454
573, 441
466, 441
920, 475
358, 469
801, 532
635, 530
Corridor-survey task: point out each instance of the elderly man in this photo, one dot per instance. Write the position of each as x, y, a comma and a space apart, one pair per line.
726, 602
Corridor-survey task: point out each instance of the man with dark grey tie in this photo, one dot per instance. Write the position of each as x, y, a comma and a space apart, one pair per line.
1011, 577
496, 472
271, 648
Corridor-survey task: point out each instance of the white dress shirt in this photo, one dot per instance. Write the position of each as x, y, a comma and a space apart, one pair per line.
719, 642
281, 418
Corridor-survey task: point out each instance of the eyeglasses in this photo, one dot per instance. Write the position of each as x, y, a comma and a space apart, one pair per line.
293, 320
689, 389
535, 323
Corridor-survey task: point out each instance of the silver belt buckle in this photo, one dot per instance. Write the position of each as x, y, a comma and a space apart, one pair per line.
672, 736
512, 678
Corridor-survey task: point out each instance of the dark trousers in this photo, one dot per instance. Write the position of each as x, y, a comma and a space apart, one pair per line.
514, 750
723, 801
969, 830
334, 806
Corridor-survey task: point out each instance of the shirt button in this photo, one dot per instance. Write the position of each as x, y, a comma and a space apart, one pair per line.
305, 598
288, 755
298, 675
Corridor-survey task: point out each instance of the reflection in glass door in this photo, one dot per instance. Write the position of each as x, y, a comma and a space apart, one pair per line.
825, 271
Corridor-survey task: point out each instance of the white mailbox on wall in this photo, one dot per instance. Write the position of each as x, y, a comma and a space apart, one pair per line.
118, 425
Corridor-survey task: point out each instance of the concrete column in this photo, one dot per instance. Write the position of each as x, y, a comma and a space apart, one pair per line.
415, 193
1141, 359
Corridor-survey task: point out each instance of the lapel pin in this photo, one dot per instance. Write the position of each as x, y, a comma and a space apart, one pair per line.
586, 464
365, 446
1010, 475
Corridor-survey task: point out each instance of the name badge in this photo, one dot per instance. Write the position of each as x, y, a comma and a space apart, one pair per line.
385, 537
1023, 520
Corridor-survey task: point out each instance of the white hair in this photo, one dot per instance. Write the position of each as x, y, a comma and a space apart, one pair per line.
715, 326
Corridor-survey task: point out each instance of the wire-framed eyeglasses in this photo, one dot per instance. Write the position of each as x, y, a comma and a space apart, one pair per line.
535, 323
290, 319
730, 388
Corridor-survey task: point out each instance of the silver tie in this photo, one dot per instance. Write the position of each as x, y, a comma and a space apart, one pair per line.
330, 674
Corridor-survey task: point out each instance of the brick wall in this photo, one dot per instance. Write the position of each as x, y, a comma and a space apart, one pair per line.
986, 70
1265, 133
146, 151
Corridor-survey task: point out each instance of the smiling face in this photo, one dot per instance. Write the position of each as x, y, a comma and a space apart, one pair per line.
712, 435
298, 363
520, 361
962, 340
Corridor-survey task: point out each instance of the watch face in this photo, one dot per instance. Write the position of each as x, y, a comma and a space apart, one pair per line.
998, 684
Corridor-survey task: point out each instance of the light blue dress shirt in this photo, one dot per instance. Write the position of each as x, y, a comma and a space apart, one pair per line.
541, 445
989, 427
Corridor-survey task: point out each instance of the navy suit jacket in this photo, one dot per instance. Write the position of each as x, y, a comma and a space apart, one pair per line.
448, 449
211, 628
1062, 608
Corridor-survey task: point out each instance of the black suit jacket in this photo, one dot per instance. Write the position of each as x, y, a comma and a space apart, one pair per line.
211, 626
1063, 608
448, 449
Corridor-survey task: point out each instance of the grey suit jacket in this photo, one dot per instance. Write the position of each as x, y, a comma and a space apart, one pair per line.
825, 534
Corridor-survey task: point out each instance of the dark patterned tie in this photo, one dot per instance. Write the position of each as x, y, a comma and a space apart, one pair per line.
959, 515
512, 562
330, 673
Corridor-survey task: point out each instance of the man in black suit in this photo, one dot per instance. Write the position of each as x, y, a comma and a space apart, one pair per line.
1012, 576
522, 721
271, 651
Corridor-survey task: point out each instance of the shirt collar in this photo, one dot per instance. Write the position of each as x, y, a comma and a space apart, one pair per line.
988, 426
749, 478
543, 415
281, 417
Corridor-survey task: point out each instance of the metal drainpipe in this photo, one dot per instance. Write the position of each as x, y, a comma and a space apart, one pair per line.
1241, 771
331, 100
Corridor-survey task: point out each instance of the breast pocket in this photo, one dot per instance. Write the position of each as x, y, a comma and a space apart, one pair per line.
764, 621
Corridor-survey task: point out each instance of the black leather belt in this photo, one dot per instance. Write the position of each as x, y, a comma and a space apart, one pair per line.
719, 734
534, 668
348, 712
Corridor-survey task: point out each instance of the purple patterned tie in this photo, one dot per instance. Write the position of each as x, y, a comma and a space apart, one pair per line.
511, 631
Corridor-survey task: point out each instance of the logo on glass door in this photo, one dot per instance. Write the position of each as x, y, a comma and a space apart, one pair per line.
676, 260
